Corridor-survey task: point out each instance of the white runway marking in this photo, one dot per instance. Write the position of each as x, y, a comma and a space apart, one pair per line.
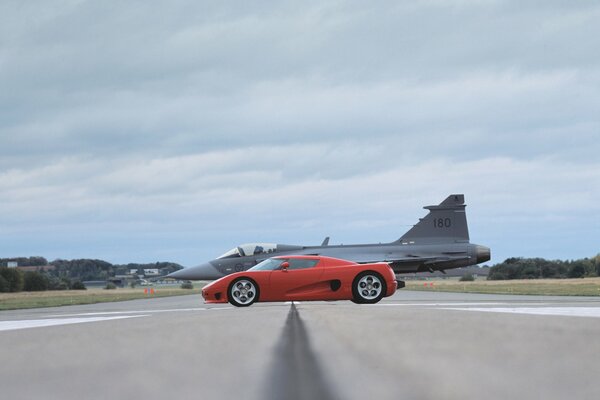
593, 312
140, 311
38, 323
439, 304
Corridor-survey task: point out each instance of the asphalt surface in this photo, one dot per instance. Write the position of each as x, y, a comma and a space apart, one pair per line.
414, 345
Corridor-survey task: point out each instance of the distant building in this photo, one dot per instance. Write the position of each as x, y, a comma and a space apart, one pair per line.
151, 272
12, 264
121, 280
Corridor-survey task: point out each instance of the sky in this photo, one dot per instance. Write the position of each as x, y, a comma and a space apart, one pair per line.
148, 131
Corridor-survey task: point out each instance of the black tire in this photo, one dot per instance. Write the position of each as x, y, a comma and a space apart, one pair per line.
368, 295
246, 295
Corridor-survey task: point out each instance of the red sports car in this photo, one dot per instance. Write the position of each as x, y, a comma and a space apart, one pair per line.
288, 278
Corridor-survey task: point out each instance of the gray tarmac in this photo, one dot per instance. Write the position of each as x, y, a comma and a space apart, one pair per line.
414, 345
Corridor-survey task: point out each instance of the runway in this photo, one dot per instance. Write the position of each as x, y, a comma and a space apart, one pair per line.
414, 345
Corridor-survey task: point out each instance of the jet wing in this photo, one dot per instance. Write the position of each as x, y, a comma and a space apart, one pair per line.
442, 259
408, 259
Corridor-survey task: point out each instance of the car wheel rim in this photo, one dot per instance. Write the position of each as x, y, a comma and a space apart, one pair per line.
243, 291
369, 287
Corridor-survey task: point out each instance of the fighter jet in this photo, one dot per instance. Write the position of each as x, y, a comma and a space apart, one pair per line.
439, 241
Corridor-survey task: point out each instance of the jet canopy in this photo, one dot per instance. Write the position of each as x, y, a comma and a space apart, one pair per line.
250, 249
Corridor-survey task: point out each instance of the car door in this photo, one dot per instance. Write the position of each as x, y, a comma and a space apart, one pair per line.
297, 282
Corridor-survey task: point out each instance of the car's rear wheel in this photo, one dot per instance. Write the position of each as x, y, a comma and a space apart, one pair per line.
368, 287
243, 292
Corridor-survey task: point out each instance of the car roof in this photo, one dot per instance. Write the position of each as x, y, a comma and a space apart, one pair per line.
324, 258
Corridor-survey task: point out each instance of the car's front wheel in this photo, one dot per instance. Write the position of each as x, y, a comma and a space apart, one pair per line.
368, 287
243, 292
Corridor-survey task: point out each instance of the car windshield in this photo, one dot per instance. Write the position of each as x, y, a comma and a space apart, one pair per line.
272, 264
250, 249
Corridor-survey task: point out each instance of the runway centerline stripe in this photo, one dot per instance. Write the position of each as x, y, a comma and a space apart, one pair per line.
40, 323
296, 373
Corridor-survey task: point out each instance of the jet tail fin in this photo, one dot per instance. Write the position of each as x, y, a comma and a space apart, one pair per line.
445, 222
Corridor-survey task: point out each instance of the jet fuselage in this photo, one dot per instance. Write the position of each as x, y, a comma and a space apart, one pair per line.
437, 242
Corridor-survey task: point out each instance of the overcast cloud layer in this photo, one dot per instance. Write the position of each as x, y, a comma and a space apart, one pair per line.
149, 131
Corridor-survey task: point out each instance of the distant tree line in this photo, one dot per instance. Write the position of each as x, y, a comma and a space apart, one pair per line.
14, 280
67, 274
535, 268
82, 269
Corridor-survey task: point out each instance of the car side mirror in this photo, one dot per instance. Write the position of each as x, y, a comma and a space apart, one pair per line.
284, 266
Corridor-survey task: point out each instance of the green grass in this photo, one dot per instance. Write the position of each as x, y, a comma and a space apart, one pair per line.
554, 287
21, 300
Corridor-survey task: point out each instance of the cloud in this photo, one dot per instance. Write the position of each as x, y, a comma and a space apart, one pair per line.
219, 194
135, 131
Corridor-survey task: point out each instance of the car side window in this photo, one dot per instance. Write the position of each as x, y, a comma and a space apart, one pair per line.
296, 263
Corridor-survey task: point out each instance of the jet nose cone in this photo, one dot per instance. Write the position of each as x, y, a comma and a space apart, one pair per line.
204, 271
483, 254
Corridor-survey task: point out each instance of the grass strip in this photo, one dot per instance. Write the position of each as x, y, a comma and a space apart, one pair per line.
22, 300
547, 287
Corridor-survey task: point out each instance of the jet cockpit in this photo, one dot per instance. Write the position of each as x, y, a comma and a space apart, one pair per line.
250, 249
